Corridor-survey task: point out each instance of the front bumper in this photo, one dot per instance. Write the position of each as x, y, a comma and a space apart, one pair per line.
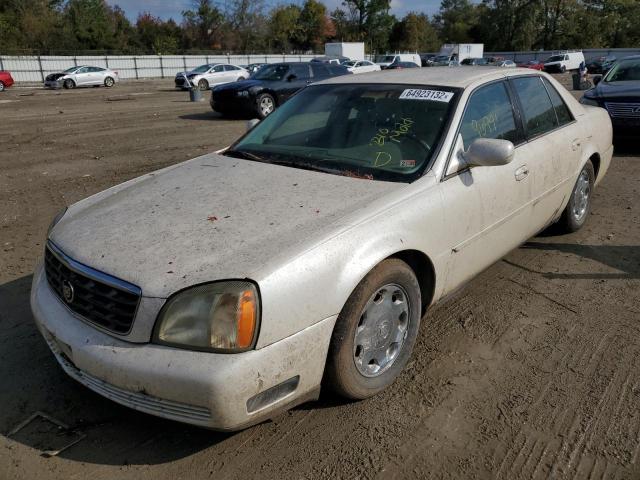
205, 389
55, 84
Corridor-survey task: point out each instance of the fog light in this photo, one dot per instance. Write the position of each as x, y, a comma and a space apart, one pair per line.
272, 395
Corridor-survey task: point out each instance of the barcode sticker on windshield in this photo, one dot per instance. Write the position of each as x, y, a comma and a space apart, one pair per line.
433, 95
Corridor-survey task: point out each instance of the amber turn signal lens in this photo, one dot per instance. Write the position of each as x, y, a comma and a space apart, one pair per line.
246, 319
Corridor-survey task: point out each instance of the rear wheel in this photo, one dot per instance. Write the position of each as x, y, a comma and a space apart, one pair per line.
69, 84
266, 104
375, 331
577, 210
1, 86
109, 82
203, 85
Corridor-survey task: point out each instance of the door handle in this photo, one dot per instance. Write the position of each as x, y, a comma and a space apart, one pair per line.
575, 145
522, 172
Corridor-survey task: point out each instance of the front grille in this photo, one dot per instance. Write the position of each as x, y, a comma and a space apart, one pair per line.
623, 110
101, 299
179, 81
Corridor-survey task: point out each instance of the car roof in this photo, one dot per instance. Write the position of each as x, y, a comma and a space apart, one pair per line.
460, 77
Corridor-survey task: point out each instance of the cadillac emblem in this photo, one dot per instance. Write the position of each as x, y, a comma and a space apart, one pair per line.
67, 291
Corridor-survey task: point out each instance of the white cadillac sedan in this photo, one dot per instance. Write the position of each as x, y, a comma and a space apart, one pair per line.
207, 76
225, 289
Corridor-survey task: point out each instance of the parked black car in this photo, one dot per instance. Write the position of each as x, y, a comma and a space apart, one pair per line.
270, 87
619, 92
400, 65
601, 64
475, 61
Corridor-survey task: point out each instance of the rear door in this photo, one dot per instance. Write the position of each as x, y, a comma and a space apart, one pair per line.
488, 208
553, 145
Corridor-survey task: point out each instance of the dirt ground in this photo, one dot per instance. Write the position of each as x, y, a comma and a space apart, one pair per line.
532, 371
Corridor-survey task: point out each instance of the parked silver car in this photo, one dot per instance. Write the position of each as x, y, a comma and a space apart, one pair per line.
82, 76
309, 254
210, 75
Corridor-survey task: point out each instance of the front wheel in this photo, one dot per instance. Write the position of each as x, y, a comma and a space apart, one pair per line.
266, 104
109, 82
1, 86
577, 210
563, 69
203, 85
375, 332
239, 79
69, 84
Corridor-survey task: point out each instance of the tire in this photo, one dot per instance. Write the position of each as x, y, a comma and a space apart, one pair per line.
239, 79
577, 210
265, 105
1, 86
203, 85
69, 84
109, 82
563, 69
362, 358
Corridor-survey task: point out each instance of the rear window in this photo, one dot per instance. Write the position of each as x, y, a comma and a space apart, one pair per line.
562, 111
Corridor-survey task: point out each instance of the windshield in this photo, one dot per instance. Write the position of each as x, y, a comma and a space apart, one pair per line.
385, 58
70, 70
201, 69
624, 71
555, 58
377, 131
271, 72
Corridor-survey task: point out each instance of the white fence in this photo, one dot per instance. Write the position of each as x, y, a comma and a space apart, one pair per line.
36, 68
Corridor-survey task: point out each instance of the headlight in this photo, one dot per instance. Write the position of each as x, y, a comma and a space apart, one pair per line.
220, 316
588, 101
243, 93
56, 219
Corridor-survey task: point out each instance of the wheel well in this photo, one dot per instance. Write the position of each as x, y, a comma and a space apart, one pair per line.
423, 268
595, 160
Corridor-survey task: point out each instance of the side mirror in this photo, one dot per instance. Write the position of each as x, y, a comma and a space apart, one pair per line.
291, 76
597, 79
489, 152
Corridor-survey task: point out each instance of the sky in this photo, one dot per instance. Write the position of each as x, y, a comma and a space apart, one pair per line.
166, 9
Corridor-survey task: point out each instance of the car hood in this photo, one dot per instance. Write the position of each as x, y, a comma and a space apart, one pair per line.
210, 218
616, 90
241, 85
56, 76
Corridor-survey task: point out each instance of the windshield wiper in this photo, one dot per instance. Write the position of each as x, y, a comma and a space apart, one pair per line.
244, 154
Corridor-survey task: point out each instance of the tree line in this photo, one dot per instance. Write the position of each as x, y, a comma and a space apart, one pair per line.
252, 26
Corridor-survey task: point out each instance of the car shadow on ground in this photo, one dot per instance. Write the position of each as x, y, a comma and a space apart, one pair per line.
32, 381
211, 115
623, 258
626, 147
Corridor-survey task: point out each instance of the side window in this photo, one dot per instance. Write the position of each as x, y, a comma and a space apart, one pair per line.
562, 111
230, 68
539, 114
320, 70
83, 70
300, 71
489, 114
218, 68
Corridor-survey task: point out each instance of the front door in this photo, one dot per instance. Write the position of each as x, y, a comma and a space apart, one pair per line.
487, 208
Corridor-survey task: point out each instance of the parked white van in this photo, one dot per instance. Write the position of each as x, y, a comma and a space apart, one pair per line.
563, 61
385, 60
